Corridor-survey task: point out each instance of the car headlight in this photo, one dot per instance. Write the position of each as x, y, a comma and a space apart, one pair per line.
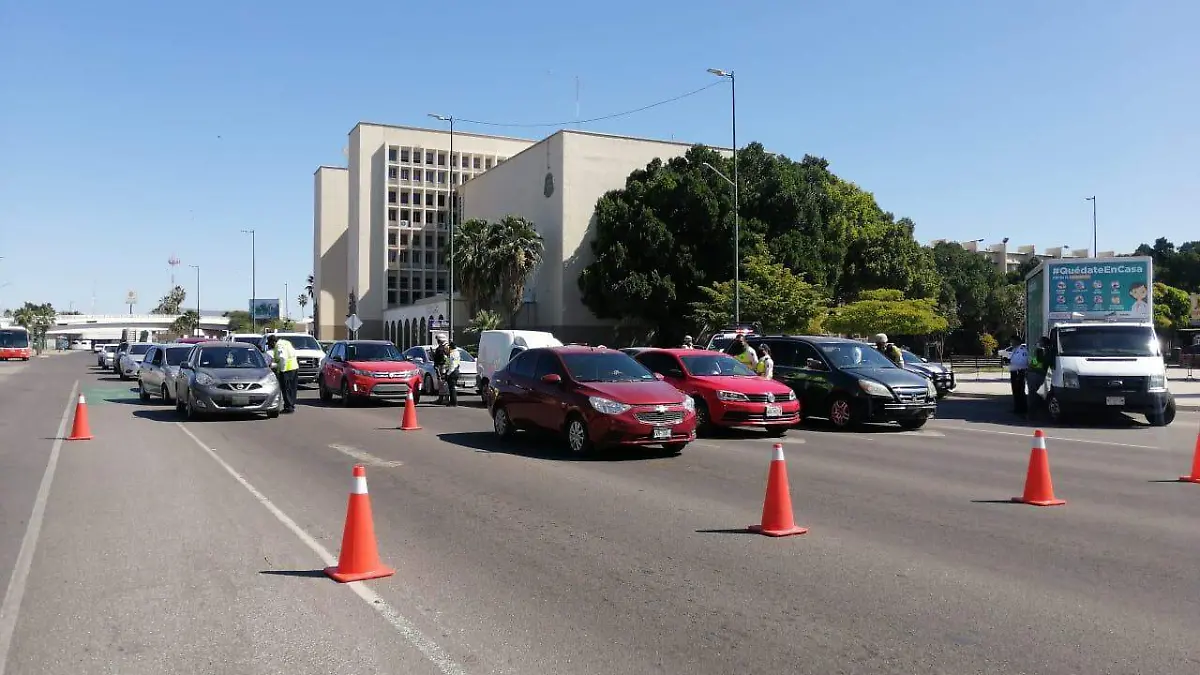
1070, 379
689, 404
732, 396
791, 395
1158, 382
873, 388
205, 380
606, 406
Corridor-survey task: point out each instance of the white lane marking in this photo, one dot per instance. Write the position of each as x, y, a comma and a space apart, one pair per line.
1053, 438
430, 649
16, 584
364, 457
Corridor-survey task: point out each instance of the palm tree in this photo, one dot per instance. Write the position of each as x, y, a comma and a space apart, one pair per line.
475, 264
308, 287
302, 300
518, 250
485, 319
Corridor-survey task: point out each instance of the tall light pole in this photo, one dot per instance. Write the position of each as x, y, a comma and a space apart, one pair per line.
737, 255
197, 268
450, 291
1095, 246
253, 280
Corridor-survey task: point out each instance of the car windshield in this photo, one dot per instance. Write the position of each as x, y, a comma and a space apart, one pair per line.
176, 356
707, 365
257, 342
1107, 341
110, 348
853, 355
138, 349
910, 357
465, 356
14, 338
303, 342
372, 351
605, 367
231, 357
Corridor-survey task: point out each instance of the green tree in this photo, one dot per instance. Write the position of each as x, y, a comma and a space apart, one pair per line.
171, 302
484, 319
186, 324
988, 343
1172, 307
1177, 267
1006, 308
967, 282
239, 321
37, 319
494, 260
302, 300
517, 254
772, 295
886, 311
882, 253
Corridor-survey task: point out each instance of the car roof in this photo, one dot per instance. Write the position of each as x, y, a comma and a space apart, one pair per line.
580, 349
230, 344
681, 351
366, 342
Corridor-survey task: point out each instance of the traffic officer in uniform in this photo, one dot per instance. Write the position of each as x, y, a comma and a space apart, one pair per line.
741, 351
451, 368
286, 367
891, 351
1018, 363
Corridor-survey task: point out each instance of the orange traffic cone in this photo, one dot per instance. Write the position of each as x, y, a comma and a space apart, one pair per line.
1195, 477
1039, 490
409, 422
777, 520
80, 431
359, 557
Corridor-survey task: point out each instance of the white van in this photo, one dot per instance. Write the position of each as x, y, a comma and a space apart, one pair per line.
498, 347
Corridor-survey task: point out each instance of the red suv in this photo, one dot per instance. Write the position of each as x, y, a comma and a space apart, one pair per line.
596, 397
361, 369
727, 393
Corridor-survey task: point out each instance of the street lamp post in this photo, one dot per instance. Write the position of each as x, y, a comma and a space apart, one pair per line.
1095, 246
737, 257
450, 291
197, 268
253, 280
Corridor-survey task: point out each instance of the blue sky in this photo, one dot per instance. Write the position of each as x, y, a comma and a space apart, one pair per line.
136, 129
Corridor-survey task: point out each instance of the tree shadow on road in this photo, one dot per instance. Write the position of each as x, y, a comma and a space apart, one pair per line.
545, 446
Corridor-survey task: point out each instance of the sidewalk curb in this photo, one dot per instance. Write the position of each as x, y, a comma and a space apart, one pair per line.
1181, 405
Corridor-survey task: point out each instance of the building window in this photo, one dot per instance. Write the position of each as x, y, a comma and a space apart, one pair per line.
429, 157
391, 261
404, 283
391, 196
404, 154
391, 215
429, 283
466, 162
441, 285
428, 240
475, 163
441, 241
393, 172
403, 197
428, 199
441, 218
404, 239
441, 159
416, 198
488, 163
442, 201
501, 160
441, 177
403, 174
416, 216
392, 298
404, 214
393, 239
429, 176
391, 154
430, 216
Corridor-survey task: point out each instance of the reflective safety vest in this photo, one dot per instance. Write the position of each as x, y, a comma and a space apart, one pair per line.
285, 357
453, 361
763, 364
746, 357
894, 354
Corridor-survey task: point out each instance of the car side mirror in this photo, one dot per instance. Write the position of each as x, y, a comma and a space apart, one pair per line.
675, 372
659, 376
814, 364
552, 378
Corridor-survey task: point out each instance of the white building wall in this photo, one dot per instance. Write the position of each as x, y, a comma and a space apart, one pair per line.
331, 188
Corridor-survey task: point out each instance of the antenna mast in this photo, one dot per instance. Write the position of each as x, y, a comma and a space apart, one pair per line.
173, 262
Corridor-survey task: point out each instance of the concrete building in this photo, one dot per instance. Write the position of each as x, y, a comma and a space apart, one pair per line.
1009, 258
331, 192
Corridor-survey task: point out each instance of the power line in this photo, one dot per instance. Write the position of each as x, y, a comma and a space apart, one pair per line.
596, 119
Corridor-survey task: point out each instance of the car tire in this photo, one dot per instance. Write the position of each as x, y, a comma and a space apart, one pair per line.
704, 424
501, 423
579, 441
323, 392
841, 412
1055, 409
345, 394
674, 448
179, 404
142, 393
1162, 419
913, 424
272, 414
165, 392
190, 411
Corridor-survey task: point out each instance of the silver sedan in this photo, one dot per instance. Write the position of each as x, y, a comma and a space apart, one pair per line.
224, 378
156, 376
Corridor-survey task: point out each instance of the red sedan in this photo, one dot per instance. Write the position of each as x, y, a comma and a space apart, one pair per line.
727, 393
361, 369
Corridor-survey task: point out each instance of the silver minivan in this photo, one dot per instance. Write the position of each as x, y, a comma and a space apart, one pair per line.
156, 375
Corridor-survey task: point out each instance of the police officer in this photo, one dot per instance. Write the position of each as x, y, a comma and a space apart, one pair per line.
766, 364
1035, 376
287, 367
439, 366
1018, 364
891, 351
741, 351
452, 367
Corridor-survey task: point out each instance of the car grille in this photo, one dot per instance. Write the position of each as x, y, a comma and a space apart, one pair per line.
239, 386
390, 376
906, 395
659, 418
308, 362
1114, 383
251, 401
766, 398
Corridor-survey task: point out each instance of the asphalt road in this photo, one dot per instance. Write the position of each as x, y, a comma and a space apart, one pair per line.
166, 547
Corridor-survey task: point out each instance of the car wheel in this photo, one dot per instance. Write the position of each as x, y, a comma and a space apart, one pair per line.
427, 385
577, 436
345, 394
501, 423
1162, 419
912, 424
1055, 409
841, 412
179, 404
142, 393
166, 394
272, 414
323, 392
674, 448
704, 423
777, 430
190, 410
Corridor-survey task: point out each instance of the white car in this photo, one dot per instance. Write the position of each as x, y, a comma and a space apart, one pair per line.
131, 359
1005, 355
422, 355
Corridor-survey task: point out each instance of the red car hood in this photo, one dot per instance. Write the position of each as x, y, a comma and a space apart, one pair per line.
742, 385
636, 393
384, 366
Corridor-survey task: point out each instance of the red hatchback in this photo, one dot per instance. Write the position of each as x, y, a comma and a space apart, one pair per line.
362, 369
727, 393
595, 397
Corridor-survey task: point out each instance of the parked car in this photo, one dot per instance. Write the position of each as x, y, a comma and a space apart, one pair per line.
131, 360
226, 377
156, 376
122, 347
595, 397
106, 355
942, 374
850, 382
422, 356
250, 339
361, 369
498, 347
726, 392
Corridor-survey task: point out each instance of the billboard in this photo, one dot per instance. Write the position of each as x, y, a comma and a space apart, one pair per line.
1119, 288
1195, 298
264, 309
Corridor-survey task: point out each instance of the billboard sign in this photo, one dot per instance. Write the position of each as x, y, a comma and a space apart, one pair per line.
264, 309
1115, 288
1195, 300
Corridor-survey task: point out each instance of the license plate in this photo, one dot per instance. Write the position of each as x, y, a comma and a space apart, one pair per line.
1115, 400
774, 411
240, 400
662, 432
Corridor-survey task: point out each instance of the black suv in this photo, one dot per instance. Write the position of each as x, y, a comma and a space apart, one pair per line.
847, 381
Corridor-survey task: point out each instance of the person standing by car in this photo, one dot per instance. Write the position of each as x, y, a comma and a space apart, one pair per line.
741, 351
451, 366
891, 351
286, 367
687, 343
1018, 365
766, 364
439, 363
1035, 376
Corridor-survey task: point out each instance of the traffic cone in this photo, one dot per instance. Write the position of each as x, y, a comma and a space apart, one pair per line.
777, 520
1195, 477
409, 422
1039, 490
80, 430
359, 557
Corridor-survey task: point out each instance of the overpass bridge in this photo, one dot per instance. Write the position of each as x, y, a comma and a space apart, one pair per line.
111, 326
